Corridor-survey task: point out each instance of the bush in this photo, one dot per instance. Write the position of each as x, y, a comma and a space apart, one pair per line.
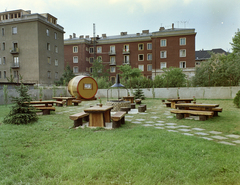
236, 100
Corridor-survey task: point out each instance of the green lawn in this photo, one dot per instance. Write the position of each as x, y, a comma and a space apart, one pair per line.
51, 152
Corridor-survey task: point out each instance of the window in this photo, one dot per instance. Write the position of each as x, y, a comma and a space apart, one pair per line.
75, 49
55, 35
149, 67
163, 43
3, 46
112, 79
182, 64
196, 64
112, 69
56, 75
49, 60
4, 74
90, 69
163, 65
149, 56
99, 58
48, 46
112, 60
91, 59
49, 74
16, 61
14, 30
182, 53
112, 49
182, 41
56, 49
141, 67
56, 62
99, 49
75, 69
4, 60
47, 31
140, 47
75, 59
15, 73
126, 48
3, 32
140, 57
126, 59
163, 54
91, 50
149, 46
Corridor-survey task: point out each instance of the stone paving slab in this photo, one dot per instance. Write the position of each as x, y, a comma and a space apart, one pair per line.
189, 118
183, 126
226, 143
154, 117
219, 137
198, 129
153, 113
147, 125
171, 124
143, 113
128, 120
160, 121
172, 127
169, 116
149, 122
140, 119
184, 130
207, 138
172, 130
159, 127
233, 136
159, 124
128, 116
237, 141
201, 133
137, 122
215, 132
187, 134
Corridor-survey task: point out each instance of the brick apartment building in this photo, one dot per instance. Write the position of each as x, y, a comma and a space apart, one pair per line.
31, 45
150, 52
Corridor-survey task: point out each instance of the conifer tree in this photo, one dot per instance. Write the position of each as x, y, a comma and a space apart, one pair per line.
21, 112
138, 93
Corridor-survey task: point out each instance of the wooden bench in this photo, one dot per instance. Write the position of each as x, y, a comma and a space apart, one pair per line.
118, 119
76, 102
138, 101
60, 103
203, 115
46, 110
125, 109
142, 108
168, 104
216, 110
133, 105
49, 105
77, 118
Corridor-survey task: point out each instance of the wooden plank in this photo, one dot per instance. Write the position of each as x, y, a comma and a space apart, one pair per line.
206, 113
96, 120
118, 115
78, 115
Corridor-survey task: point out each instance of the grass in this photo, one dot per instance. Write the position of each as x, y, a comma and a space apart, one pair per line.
51, 152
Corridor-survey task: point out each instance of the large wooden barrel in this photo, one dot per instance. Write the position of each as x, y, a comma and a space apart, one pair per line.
83, 87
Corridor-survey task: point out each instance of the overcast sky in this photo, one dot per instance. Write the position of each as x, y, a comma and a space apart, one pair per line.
215, 21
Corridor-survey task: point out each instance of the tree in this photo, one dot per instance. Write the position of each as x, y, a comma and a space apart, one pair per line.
174, 77
236, 42
66, 77
128, 72
98, 69
21, 112
138, 94
236, 99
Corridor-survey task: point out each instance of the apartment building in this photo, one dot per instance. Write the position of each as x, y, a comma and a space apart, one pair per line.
31, 45
150, 52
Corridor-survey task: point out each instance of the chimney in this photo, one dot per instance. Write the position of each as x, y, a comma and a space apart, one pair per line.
161, 29
145, 31
123, 33
74, 35
81, 36
138, 34
87, 36
70, 36
104, 35
172, 26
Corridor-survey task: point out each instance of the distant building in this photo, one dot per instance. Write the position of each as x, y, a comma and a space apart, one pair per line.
150, 52
31, 45
204, 55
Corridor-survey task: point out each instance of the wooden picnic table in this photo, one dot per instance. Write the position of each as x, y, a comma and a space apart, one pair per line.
201, 106
68, 99
46, 102
174, 101
129, 98
98, 116
46, 108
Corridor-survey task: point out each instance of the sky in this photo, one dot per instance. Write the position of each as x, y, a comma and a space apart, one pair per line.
214, 21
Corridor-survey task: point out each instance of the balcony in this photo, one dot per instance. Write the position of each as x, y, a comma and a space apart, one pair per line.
126, 51
126, 62
14, 51
113, 63
15, 66
112, 53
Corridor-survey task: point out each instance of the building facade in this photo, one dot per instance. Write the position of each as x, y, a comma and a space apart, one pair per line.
150, 52
31, 45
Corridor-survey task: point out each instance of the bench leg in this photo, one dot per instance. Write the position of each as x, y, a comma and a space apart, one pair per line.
202, 118
141, 108
215, 114
122, 120
78, 122
75, 104
168, 105
116, 124
86, 118
59, 105
179, 116
46, 112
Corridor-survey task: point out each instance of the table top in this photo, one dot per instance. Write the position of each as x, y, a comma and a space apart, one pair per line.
128, 96
98, 109
197, 105
64, 98
180, 99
